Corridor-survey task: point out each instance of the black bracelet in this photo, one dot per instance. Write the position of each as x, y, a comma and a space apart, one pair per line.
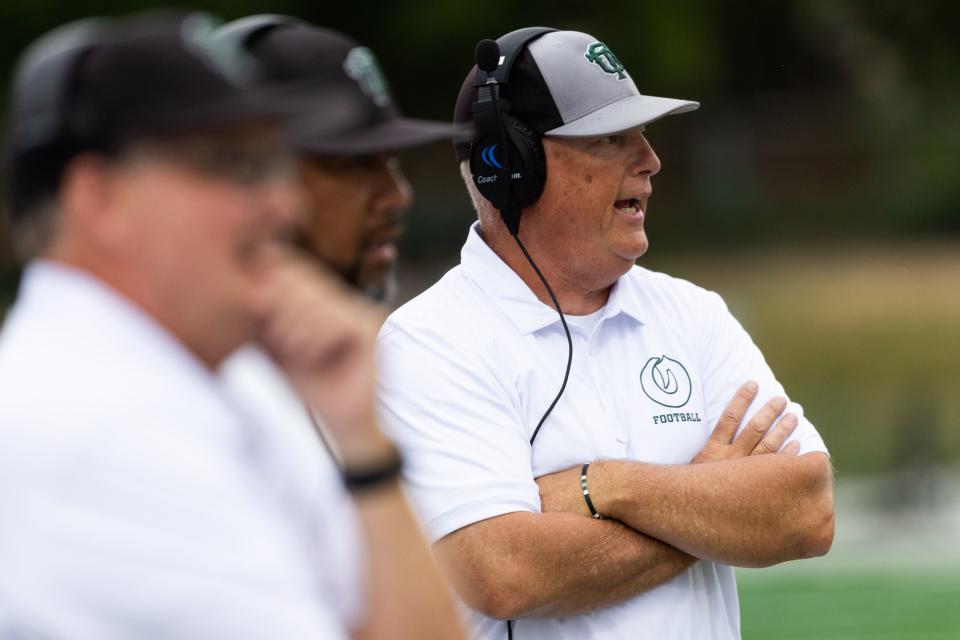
586, 492
369, 477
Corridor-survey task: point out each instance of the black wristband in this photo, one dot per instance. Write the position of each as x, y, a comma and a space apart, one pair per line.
586, 492
370, 477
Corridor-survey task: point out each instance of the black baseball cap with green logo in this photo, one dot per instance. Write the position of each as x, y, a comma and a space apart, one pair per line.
569, 84
147, 75
335, 65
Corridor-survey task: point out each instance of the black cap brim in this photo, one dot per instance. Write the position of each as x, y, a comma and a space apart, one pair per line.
318, 136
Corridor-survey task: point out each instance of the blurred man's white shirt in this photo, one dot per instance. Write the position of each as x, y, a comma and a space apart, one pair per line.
143, 496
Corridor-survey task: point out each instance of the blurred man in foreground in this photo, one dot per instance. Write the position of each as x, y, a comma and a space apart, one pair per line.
605, 495
143, 494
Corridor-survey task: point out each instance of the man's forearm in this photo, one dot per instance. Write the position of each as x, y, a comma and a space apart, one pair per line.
407, 597
556, 564
751, 511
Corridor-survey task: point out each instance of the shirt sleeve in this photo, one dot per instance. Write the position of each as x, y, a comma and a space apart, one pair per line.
460, 429
731, 359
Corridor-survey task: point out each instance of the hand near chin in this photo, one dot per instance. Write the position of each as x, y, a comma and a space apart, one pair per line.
323, 338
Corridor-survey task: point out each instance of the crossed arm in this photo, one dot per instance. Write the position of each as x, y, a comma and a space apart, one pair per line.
750, 512
738, 502
553, 564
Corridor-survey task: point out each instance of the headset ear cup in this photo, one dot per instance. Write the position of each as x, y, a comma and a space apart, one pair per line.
525, 160
533, 168
488, 176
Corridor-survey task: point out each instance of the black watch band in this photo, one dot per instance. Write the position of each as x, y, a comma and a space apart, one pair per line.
372, 476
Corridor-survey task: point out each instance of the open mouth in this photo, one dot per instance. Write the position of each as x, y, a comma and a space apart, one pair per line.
630, 206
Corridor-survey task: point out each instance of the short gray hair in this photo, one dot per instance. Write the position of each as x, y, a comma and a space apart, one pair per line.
483, 207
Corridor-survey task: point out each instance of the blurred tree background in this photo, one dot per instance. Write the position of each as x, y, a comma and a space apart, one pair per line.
817, 189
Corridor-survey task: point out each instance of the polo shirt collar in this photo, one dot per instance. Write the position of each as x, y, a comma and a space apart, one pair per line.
509, 292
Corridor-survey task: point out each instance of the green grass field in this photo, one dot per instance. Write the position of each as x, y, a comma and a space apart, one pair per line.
851, 605
893, 572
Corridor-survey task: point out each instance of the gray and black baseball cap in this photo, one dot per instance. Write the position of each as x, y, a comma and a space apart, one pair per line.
569, 84
332, 64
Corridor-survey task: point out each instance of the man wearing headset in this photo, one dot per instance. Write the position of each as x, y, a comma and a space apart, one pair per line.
617, 507
143, 492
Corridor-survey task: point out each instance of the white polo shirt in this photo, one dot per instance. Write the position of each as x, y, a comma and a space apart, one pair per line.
143, 496
470, 366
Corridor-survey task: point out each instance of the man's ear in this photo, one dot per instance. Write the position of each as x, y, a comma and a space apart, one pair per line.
87, 199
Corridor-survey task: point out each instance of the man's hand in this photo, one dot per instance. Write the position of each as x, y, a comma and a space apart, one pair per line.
560, 492
757, 437
784, 500
323, 338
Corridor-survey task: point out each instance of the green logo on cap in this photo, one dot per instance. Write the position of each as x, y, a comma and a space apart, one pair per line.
600, 55
362, 66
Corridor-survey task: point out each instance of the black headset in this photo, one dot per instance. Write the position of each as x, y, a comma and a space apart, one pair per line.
506, 156
508, 164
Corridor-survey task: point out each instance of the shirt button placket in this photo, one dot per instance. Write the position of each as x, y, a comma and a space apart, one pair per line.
609, 408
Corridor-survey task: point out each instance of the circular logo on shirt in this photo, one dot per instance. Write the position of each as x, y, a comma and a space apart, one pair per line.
666, 382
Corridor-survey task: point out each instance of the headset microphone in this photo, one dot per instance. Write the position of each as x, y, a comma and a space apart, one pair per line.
488, 55
506, 158
494, 171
